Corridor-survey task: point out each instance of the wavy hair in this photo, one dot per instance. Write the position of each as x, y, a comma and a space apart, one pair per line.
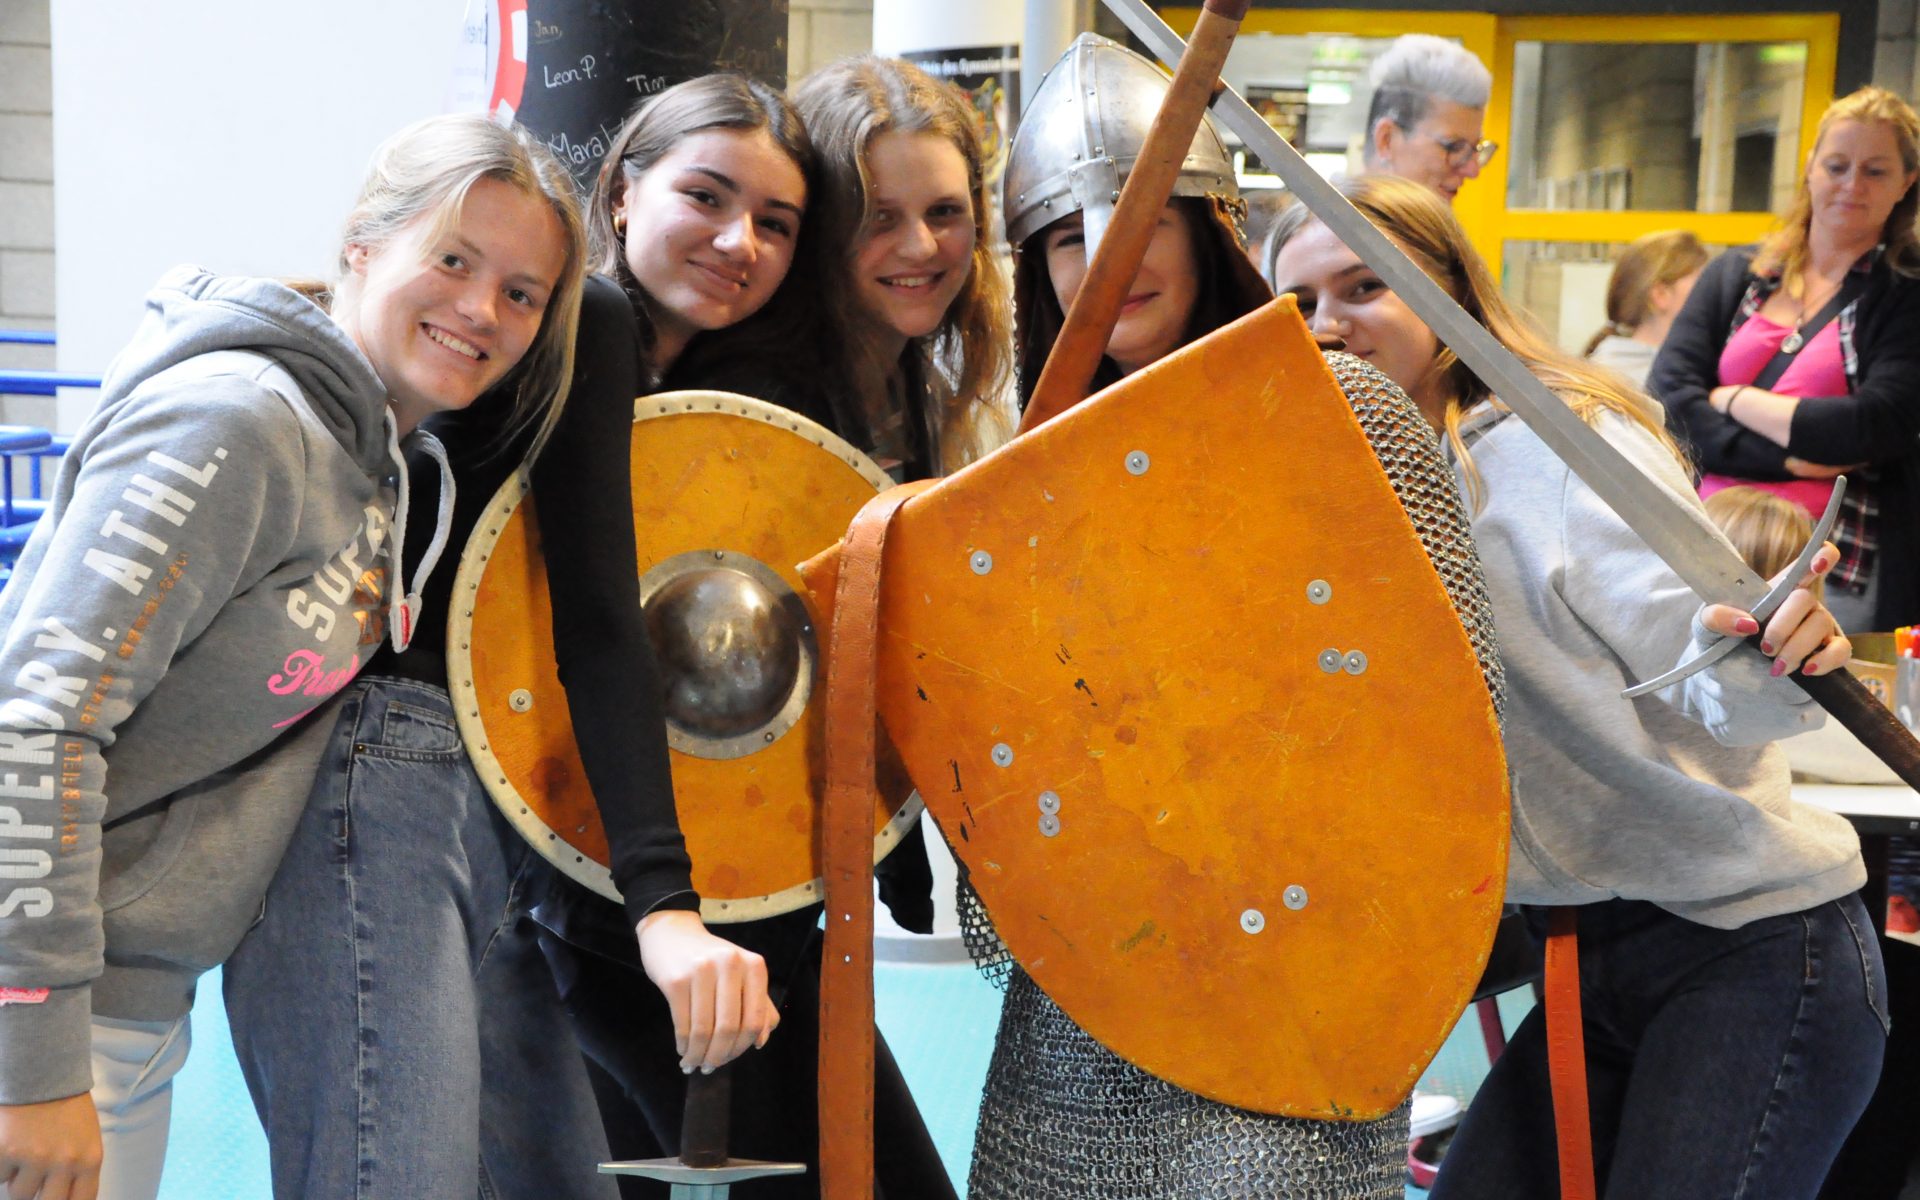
963, 364
1422, 225
1784, 252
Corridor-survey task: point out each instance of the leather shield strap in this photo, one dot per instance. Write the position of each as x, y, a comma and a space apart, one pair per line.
846, 974
1567, 1056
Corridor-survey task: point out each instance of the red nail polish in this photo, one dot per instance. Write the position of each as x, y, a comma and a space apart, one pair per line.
1779, 668
1819, 565
1810, 669
1766, 647
1746, 625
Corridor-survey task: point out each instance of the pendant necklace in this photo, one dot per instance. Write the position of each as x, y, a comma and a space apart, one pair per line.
1793, 341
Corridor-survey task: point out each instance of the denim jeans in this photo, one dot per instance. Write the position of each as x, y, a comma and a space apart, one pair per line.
393, 1015
1722, 1064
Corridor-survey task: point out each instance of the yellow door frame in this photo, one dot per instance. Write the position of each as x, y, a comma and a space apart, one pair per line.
1482, 206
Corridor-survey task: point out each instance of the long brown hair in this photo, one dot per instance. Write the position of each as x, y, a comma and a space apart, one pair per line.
784, 327
1663, 258
1422, 225
964, 363
1229, 288
1784, 253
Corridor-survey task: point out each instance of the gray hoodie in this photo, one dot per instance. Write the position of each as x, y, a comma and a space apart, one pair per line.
214, 564
1677, 798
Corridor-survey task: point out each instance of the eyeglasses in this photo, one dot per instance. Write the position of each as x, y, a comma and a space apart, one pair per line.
1460, 151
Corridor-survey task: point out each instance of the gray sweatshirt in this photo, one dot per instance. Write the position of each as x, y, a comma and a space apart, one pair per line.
1678, 798
212, 567
1630, 358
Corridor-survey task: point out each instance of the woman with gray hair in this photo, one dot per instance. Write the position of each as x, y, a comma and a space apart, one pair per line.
1429, 101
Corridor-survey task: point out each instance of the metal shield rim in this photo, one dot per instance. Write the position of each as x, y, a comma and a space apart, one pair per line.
461, 685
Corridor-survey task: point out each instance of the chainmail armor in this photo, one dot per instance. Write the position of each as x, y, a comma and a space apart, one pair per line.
1064, 1118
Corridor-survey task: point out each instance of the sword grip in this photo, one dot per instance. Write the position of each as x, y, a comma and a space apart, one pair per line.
1849, 702
704, 1121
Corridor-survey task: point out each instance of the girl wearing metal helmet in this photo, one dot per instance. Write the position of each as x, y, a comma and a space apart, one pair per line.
1062, 1116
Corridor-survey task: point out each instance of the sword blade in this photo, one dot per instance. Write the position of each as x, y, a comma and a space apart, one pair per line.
1681, 534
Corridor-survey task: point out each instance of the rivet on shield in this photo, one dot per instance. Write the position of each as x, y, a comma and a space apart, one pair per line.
1253, 920
1049, 802
1356, 662
520, 700
981, 562
1002, 755
1319, 591
1049, 825
1330, 661
1295, 897
1138, 462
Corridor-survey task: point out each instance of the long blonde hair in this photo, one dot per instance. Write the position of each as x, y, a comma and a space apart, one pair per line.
1784, 253
1663, 258
965, 363
1421, 223
426, 170
1767, 530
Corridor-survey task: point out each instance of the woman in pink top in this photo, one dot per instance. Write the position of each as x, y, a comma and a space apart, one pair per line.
1798, 361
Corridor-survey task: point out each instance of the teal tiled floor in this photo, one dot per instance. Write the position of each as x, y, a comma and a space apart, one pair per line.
939, 1020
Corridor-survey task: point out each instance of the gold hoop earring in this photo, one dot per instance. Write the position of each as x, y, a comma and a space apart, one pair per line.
620, 224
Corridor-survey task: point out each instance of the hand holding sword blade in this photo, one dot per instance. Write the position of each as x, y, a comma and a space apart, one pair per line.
1681, 535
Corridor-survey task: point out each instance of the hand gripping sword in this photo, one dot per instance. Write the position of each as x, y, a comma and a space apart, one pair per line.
1680, 534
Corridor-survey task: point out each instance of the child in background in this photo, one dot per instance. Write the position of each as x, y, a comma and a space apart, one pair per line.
1651, 280
1769, 532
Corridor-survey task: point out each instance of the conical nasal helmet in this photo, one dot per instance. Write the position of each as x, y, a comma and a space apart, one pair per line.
1081, 134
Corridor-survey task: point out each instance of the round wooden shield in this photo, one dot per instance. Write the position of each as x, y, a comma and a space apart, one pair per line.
728, 492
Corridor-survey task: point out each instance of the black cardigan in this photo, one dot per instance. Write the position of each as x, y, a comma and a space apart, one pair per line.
1878, 423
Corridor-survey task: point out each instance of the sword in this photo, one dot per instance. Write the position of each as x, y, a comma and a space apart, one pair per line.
1680, 534
703, 1170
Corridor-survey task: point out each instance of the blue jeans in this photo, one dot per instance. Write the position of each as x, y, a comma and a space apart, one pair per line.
1722, 1064
393, 1015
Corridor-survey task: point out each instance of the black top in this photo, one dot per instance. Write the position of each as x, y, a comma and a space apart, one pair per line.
1877, 423
581, 488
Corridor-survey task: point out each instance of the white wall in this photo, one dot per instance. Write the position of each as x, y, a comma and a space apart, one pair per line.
232, 133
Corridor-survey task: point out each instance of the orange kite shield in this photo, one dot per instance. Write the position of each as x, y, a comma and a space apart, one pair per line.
1192, 704
729, 494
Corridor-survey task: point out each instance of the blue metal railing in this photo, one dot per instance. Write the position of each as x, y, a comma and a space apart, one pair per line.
43, 383
37, 446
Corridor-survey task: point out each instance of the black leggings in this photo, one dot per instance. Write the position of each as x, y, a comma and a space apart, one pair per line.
626, 1030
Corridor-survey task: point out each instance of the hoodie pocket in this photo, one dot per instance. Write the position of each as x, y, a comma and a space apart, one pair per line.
150, 858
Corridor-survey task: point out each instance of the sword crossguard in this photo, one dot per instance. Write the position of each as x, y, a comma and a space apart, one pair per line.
701, 1183
1789, 579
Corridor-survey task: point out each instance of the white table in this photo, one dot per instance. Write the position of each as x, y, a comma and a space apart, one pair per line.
1878, 811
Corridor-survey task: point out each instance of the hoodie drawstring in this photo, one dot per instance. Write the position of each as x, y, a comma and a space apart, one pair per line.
403, 606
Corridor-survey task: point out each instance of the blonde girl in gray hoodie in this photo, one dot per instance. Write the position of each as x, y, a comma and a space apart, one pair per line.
220, 556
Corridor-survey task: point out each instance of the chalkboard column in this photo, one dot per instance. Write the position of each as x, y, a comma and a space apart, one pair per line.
571, 70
